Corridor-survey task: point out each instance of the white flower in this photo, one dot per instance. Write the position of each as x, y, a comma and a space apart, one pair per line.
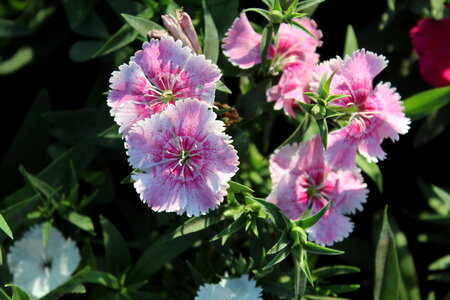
241, 288
38, 269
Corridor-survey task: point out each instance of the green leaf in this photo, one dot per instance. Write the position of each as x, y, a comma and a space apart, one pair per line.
81, 221
265, 43
141, 25
12, 29
262, 12
39, 186
211, 41
323, 131
83, 51
442, 263
424, 103
372, 170
232, 228
18, 292
193, 225
387, 273
300, 132
279, 257
351, 43
274, 212
3, 295
435, 124
165, 252
5, 227
313, 248
72, 285
336, 270
120, 39
340, 288
409, 288
308, 3
220, 86
282, 243
310, 221
236, 187
46, 231
19, 59
77, 11
301, 27
116, 250
101, 278
252, 104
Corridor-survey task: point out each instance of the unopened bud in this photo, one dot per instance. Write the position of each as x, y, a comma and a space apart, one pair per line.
172, 24
189, 30
276, 16
318, 112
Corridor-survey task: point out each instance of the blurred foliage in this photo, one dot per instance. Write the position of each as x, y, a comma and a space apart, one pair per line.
63, 161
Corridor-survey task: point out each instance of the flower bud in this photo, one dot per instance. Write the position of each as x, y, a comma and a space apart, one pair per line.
189, 30
276, 16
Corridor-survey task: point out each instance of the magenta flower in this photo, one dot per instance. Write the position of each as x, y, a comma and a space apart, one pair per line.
186, 157
242, 44
303, 183
293, 83
431, 41
377, 112
160, 74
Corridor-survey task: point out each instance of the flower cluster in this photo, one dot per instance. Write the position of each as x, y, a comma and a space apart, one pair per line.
304, 176
162, 100
241, 288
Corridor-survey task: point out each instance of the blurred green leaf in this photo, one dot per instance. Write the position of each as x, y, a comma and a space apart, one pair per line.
18, 292
409, 288
77, 11
19, 59
372, 170
311, 220
252, 104
40, 187
442, 263
336, 270
425, 103
211, 39
236, 187
5, 227
220, 86
279, 257
300, 133
92, 26
307, 4
387, 273
223, 12
141, 25
127, 7
165, 252
3, 295
351, 43
438, 198
433, 126
72, 285
275, 213
194, 225
100, 278
282, 243
340, 288
116, 250
121, 38
318, 297
12, 29
81, 221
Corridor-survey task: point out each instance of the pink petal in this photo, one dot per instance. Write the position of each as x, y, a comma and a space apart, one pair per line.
349, 190
370, 147
281, 161
295, 41
242, 44
311, 156
342, 149
332, 227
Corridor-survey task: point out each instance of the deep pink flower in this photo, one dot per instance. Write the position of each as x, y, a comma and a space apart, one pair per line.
431, 41
186, 157
378, 112
303, 183
293, 83
242, 44
160, 74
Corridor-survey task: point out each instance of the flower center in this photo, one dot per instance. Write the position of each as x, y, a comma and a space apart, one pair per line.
162, 89
47, 263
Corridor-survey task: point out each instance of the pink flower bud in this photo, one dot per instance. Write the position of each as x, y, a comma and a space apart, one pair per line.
189, 30
173, 25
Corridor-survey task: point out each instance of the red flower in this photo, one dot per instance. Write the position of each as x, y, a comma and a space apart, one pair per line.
431, 41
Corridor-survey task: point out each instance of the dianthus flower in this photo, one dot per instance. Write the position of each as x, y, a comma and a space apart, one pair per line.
431, 41
241, 288
158, 75
186, 157
242, 44
294, 55
377, 113
38, 269
303, 183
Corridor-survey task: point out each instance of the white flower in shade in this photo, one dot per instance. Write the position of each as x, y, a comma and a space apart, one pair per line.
241, 288
38, 269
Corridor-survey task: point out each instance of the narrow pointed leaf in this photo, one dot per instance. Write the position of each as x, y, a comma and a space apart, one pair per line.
120, 39
5, 227
313, 248
265, 43
282, 243
336, 270
299, 134
300, 26
310, 221
211, 40
424, 103
277, 258
81, 221
323, 131
260, 11
351, 43
116, 250
236, 187
220, 86
195, 224
387, 273
307, 3
275, 213
232, 228
141, 25
18, 292
372, 170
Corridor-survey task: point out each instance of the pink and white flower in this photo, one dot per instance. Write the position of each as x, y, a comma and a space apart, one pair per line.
303, 183
377, 112
242, 44
158, 75
186, 157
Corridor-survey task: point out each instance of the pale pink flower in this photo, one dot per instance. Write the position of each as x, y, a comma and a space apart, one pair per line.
158, 75
186, 157
242, 44
303, 183
294, 82
378, 112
